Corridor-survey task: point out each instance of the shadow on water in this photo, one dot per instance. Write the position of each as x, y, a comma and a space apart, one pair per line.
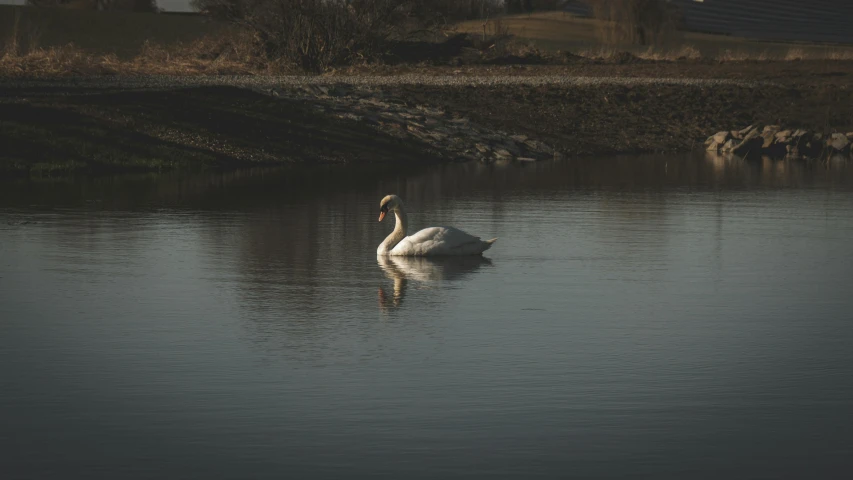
427, 273
260, 187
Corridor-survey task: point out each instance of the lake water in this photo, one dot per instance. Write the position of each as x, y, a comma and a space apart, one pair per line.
655, 317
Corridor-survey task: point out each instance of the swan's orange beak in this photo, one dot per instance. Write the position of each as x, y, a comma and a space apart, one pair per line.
381, 216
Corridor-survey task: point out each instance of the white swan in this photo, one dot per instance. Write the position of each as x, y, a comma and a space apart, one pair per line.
429, 241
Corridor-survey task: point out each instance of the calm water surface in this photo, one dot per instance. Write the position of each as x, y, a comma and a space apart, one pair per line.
638, 317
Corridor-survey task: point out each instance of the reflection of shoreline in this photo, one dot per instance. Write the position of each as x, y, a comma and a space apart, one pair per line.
257, 189
425, 271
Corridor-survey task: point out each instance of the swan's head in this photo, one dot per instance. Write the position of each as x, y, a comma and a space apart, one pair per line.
389, 203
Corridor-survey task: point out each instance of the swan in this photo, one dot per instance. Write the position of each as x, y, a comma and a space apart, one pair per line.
427, 242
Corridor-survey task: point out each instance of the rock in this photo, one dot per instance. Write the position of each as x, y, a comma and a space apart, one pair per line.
502, 153
537, 146
519, 138
767, 139
525, 159
713, 146
390, 124
730, 145
771, 128
751, 142
799, 137
745, 131
783, 136
839, 142
736, 134
483, 148
810, 148
776, 148
339, 91
721, 137
512, 147
709, 141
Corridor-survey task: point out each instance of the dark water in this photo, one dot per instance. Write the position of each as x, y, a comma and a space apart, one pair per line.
638, 317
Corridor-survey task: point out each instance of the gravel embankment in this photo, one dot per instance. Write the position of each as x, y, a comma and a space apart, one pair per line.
266, 82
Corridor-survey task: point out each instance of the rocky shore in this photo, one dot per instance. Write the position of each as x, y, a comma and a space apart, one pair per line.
453, 134
775, 142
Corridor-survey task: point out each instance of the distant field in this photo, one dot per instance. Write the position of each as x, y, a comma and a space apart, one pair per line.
122, 33
567, 32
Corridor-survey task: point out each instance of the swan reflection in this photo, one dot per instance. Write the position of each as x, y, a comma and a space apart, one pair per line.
426, 272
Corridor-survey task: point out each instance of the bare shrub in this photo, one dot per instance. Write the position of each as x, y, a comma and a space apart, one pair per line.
838, 55
827, 54
685, 52
318, 34
742, 56
796, 54
495, 29
635, 22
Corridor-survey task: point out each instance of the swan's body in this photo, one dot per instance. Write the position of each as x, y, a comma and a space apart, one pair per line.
432, 241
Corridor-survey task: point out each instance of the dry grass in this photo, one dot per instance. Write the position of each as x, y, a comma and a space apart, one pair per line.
652, 54
232, 54
235, 56
792, 54
691, 53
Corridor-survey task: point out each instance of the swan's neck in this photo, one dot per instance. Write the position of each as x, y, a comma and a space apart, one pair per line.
399, 232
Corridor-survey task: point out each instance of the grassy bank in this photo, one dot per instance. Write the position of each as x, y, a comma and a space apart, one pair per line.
69, 127
198, 128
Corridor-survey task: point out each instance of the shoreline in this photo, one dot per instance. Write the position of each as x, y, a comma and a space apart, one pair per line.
116, 124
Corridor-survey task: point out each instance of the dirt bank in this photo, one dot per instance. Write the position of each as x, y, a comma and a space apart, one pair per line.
427, 115
49, 132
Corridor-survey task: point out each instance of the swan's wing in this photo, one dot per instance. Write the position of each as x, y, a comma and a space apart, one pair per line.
440, 241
